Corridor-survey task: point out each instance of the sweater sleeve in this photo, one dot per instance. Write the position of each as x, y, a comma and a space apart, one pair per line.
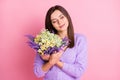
78, 67
38, 62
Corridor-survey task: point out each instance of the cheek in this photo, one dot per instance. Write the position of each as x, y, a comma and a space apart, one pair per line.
65, 20
67, 23
55, 25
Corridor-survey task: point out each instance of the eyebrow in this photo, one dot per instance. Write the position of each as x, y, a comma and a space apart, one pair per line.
60, 15
55, 18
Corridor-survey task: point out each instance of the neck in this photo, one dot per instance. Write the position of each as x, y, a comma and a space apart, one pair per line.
63, 34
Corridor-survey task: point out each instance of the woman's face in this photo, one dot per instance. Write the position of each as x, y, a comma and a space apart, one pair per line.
59, 21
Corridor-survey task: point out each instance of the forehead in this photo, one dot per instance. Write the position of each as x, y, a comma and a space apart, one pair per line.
56, 14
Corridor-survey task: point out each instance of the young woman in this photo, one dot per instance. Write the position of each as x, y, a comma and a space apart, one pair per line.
67, 64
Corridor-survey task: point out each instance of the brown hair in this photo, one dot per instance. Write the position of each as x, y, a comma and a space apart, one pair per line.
49, 26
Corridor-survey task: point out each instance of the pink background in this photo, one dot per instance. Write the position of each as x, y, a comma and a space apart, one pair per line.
98, 20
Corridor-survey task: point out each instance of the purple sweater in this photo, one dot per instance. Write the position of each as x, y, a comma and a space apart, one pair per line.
74, 60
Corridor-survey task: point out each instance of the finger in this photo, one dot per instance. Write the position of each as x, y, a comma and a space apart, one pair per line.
60, 54
47, 55
61, 51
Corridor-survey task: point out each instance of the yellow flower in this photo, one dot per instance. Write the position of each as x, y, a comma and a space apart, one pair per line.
43, 47
40, 51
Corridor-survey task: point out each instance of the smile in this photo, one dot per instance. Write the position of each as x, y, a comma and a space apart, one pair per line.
61, 26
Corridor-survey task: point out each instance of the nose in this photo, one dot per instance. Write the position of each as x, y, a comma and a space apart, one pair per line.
59, 22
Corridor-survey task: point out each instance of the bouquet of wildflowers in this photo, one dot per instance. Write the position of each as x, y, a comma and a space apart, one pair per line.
46, 42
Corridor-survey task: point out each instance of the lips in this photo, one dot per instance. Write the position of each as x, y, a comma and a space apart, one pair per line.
61, 26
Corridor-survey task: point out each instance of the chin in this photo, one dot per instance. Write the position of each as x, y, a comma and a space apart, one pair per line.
61, 30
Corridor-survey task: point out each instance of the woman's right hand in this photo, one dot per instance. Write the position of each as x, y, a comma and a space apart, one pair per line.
45, 57
55, 57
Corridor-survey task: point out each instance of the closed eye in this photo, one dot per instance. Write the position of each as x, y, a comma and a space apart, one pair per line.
61, 17
54, 21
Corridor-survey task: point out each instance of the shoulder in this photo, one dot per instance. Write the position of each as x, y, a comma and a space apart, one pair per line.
80, 42
79, 37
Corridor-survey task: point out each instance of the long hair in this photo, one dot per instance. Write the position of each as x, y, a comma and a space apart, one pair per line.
49, 26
